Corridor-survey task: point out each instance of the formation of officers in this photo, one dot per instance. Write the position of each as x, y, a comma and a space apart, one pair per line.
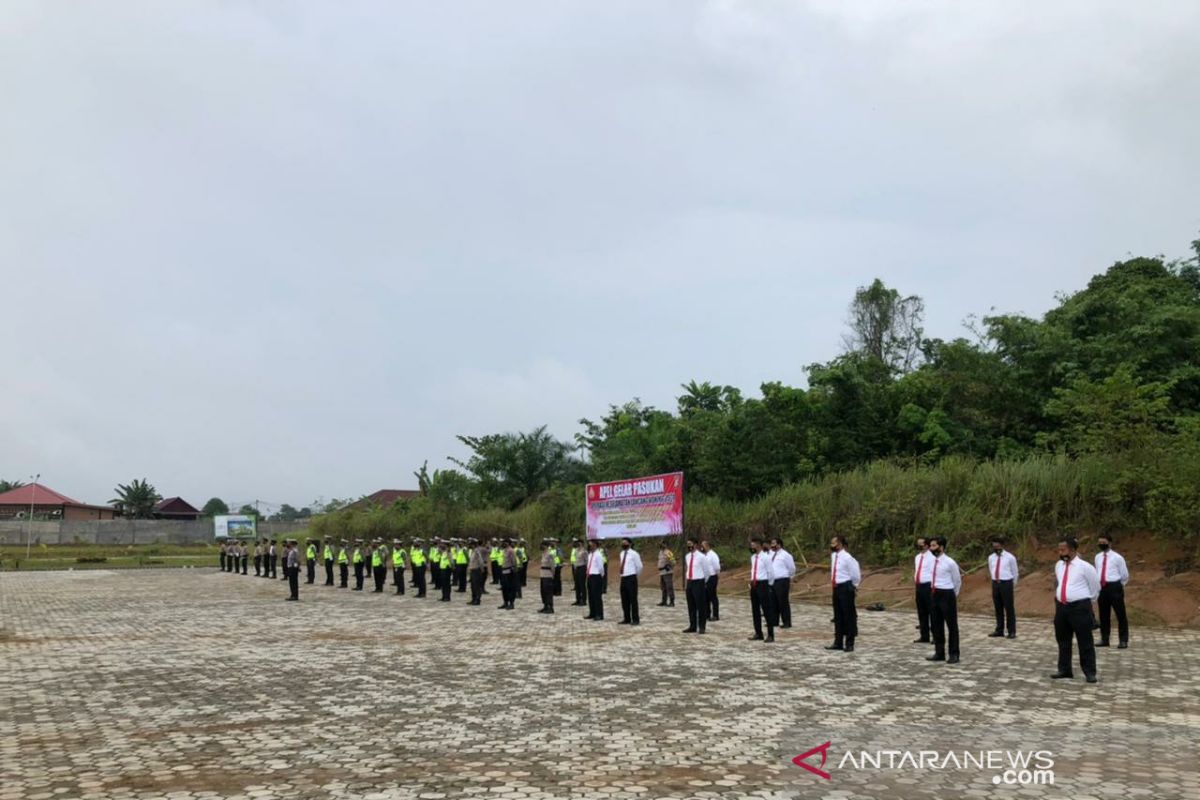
453, 565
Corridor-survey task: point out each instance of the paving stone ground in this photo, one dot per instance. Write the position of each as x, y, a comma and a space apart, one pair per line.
198, 684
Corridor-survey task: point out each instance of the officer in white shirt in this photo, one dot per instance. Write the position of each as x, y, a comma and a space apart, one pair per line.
784, 568
695, 580
1076, 586
844, 578
595, 580
710, 586
945, 582
762, 591
631, 568
1002, 569
1114, 574
922, 571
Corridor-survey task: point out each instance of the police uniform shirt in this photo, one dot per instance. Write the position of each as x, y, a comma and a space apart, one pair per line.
761, 568
945, 575
1082, 581
293, 559
782, 563
548, 565
696, 566
631, 563
581, 557
843, 567
1110, 566
923, 567
665, 562
1002, 566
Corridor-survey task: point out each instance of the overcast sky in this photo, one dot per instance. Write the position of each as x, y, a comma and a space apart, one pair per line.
288, 250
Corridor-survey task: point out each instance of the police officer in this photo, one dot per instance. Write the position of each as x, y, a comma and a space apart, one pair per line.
224, 554
310, 560
695, 577
343, 560
547, 575
398, 565
258, 558
508, 575
630, 570
357, 560
379, 566
461, 558
328, 554
291, 569
945, 583
274, 554
844, 578
416, 556
666, 574
579, 557
762, 591
1114, 574
714, 576
495, 556
521, 549
595, 580
477, 566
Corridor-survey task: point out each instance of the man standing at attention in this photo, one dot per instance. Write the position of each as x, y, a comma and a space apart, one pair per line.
343, 560
595, 581
783, 566
844, 577
477, 566
416, 557
1077, 585
508, 575
631, 568
1113, 577
1002, 568
328, 557
291, 569
579, 558
945, 584
310, 561
547, 576
922, 573
666, 574
398, 565
762, 592
695, 576
710, 585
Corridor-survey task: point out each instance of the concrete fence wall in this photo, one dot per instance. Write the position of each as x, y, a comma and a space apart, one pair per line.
126, 531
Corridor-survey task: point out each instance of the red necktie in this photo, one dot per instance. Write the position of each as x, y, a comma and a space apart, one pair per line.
920, 561
1066, 570
754, 574
833, 573
997, 566
933, 580
691, 564
1104, 570
623, 554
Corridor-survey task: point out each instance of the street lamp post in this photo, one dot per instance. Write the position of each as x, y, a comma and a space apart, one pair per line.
29, 529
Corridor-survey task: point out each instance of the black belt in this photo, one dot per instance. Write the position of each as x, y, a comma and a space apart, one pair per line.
1075, 603
1002, 580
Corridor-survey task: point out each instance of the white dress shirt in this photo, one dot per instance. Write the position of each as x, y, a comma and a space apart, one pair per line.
945, 574
695, 566
843, 567
922, 567
1116, 571
631, 563
595, 562
782, 563
1006, 563
714, 563
1083, 582
761, 568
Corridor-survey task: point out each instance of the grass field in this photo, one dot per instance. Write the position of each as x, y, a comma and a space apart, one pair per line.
98, 556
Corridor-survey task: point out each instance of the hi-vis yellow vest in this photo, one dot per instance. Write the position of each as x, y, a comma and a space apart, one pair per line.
342, 559
328, 553
398, 558
357, 556
376, 559
418, 558
311, 553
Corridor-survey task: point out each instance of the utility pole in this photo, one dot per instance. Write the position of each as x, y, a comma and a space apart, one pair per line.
29, 530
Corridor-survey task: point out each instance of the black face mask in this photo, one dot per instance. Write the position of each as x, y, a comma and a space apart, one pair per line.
997, 550
1066, 557
935, 551
624, 547
833, 549
1104, 547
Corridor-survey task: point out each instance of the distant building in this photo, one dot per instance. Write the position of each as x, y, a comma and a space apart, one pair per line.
49, 504
383, 498
175, 508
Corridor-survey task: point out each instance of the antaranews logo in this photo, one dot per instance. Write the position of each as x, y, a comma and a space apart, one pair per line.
1010, 767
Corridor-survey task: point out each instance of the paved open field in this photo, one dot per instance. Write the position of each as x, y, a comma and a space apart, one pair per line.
193, 683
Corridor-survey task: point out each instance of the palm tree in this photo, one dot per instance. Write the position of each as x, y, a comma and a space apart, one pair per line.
136, 499
8, 486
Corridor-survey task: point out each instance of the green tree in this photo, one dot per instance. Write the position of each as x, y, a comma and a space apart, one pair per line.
885, 326
1109, 415
8, 486
513, 468
214, 507
630, 440
136, 499
248, 510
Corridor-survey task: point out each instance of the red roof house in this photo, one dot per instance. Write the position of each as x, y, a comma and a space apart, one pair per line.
48, 503
175, 508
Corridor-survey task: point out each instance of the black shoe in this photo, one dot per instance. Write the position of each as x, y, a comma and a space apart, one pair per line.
922, 641
670, 605
623, 622
501, 608
952, 660
635, 622
549, 610
714, 619
700, 631
1058, 675
849, 648
689, 630
598, 619
1092, 679
754, 638
1123, 646
994, 634
660, 605
770, 638
1101, 644
834, 647
786, 626
935, 657
1012, 636
589, 616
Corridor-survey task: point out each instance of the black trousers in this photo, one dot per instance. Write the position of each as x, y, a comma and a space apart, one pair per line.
311, 568
763, 604
435, 575
523, 574
447, 585
460, 576
258, 566
579, 574
380, 577
478, 579
293, 577
595, 591
845, 615
1002, 601
714, 600
358, 575
783, 601
508, 586
344, 575
419, 580
245, 564
398, 579
924, 611
274, 565
1075, 620
548, 594
329, 572
558, 581
697, 603
1112, 598
237, 563
944, 614
495, 572
629, 598
666, 582
224, 558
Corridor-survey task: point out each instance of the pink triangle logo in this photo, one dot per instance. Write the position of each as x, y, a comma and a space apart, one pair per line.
799, 760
